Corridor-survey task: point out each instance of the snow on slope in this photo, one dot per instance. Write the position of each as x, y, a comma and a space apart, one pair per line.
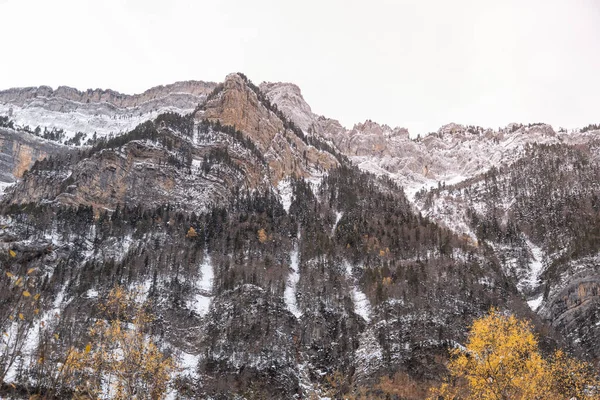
84, 120
96, 111
289, 294
202, 300
288, 98
362, 306
285, 193
4, 186
338, 217
535, 265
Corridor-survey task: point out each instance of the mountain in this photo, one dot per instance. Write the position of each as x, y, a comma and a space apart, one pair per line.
452, 154
100, 112
279, 250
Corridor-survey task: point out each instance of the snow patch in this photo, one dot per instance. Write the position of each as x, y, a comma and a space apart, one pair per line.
4, 186
338, 216
362, 306
289, 294
535, 303
188, 364
285, 193
202, 300
535, 266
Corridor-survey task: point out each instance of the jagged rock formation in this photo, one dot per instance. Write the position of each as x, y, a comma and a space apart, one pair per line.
450, 155
287, 151
23, 97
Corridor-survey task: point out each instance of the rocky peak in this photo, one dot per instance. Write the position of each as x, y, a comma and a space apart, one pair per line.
371, 128
452, 129
241, 104
541, 129
400, 133
289, 100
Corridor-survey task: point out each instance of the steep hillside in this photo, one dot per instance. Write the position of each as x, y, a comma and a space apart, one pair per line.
541, 215
257, 298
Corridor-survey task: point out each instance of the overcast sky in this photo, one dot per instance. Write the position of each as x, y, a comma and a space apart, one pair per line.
418, 64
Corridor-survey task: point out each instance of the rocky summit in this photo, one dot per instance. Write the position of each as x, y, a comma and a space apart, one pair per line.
280, 253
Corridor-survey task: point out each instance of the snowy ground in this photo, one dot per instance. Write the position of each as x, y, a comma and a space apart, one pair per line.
362, 306
536, 268
4, 186
289, 294
84, 119
285, 193
202, 300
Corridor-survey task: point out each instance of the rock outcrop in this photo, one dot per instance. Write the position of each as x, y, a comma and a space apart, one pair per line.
192, 174
288, 154
19, 151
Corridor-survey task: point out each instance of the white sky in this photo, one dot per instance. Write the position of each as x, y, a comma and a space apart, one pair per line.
418, 64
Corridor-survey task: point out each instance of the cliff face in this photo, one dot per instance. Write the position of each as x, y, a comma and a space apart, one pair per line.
288, 98
191, 173
19, 151
287, 154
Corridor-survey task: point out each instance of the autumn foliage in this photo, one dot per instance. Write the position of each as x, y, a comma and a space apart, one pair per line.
262, 235
501, 360
120, 361
20, 307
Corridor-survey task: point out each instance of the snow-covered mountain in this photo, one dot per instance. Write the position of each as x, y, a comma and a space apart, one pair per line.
450, 155
281, 250
100, 112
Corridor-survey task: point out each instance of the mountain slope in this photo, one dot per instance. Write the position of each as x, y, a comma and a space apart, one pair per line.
272, 258
541, 215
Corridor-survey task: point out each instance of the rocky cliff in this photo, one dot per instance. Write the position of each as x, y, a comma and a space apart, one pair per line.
19, 151
286, 149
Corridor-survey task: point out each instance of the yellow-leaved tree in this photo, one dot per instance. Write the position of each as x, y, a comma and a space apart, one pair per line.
262, 235
20, 300
501, 360
120, 361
